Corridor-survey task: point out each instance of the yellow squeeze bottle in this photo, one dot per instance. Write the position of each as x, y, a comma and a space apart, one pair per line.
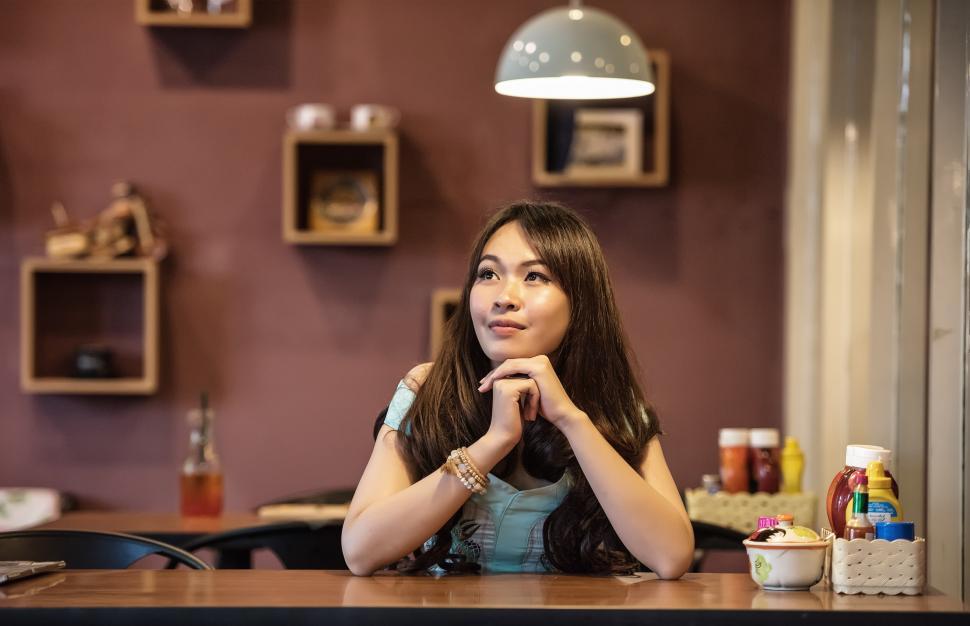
792, 466
884, 506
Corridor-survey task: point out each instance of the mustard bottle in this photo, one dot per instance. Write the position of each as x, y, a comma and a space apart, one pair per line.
792, 466
884, 506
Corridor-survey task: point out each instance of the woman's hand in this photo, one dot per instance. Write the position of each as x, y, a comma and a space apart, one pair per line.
554, 403
513, 400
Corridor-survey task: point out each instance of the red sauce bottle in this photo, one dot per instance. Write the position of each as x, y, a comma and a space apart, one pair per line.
733, 444
857, 457
765, 471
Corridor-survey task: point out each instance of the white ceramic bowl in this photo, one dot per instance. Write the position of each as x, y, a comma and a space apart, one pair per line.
786, 566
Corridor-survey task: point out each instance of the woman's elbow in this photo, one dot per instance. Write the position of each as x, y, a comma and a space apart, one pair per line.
673, 569
359, 569
354, 557
674, 563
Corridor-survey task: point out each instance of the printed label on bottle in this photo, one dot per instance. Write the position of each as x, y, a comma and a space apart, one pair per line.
880, 511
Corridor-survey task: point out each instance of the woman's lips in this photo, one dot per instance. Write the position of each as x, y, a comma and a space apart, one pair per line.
505, 331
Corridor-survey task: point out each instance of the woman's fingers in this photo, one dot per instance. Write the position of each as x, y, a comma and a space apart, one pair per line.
533, 404
511, 367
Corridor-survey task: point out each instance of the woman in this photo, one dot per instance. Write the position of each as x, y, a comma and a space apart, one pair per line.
563, 470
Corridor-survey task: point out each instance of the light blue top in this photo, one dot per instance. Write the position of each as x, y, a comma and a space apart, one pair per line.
501, 530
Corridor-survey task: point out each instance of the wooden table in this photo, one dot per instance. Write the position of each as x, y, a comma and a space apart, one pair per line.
168, 527
188, 597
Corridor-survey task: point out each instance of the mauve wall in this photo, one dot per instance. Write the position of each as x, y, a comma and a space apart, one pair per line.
302, 346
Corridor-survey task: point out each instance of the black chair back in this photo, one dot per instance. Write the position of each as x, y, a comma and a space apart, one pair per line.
83, 549
713, 537
298, 545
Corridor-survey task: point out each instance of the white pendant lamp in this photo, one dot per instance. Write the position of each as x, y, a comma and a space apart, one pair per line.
574, 53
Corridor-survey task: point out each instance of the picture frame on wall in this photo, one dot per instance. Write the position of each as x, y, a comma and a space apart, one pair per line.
598, 143
606, 142
344, 202
444, 303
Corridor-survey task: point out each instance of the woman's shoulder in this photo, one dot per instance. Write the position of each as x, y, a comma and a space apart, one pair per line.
404, 395
416, 376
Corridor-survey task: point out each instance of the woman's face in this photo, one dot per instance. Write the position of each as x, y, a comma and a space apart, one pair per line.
518, 307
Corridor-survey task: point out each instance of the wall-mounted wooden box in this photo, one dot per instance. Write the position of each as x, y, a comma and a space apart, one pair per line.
65, 305
233, 14
340, 187
444, 302
605, 143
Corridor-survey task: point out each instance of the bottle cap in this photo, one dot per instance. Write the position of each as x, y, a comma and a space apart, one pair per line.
785, 519
791, 446
728, 437
857, 455
877, 478
891, 531
764, 437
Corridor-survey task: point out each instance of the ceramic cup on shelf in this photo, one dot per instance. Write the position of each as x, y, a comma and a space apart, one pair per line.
373, 116
311, 116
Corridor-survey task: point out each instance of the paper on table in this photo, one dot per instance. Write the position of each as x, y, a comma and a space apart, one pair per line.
11, 570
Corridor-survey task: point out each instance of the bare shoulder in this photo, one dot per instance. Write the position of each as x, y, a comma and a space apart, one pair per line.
416, 377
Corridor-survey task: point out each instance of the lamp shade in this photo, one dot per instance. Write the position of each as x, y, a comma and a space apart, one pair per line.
574, 54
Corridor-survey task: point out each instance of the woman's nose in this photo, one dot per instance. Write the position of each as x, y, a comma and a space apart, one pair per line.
509, 298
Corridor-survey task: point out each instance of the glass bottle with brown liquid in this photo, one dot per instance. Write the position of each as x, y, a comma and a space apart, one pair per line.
201, 476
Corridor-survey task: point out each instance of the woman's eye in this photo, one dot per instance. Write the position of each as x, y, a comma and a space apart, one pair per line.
534, 276
486, 274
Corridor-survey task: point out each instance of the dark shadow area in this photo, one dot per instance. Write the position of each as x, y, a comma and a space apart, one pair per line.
254, 57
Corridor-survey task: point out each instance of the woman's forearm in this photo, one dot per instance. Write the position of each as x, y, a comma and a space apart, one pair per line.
392, 528
649, 525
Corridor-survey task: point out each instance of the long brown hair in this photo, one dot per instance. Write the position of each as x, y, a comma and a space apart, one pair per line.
594, 366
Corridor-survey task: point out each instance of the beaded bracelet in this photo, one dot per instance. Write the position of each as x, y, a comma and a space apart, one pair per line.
463, 455
459, 464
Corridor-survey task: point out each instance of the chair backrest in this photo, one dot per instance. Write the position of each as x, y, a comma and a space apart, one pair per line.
713, 537
84, 549
298, 545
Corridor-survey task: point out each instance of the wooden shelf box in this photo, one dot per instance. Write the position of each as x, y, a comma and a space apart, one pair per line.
646, 150
237, 14
66, 304
340, 187
444, 303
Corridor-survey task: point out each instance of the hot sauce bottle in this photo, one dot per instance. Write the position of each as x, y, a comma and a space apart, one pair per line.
859, 526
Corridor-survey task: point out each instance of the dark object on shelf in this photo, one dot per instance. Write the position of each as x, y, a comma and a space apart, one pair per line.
85, 549
560, 124
94, 361
298, 545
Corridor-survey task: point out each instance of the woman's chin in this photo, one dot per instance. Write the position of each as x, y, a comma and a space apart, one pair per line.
500, 356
